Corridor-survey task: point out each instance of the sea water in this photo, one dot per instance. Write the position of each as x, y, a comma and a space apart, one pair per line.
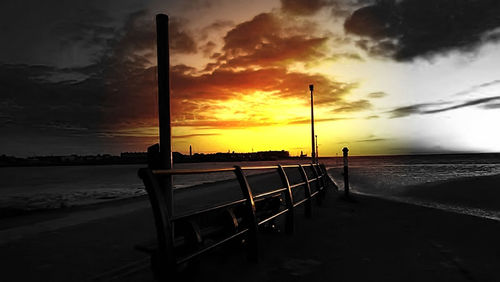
33, 188
387, 175
392, 177
51, 187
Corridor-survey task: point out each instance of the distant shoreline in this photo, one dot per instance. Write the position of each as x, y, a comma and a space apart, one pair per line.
116, 160
142, 158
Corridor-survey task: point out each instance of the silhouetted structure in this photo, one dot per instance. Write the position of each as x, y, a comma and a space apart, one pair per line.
313, 154
346, 172
199, 231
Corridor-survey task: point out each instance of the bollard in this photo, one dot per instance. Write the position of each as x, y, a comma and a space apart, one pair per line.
346, 172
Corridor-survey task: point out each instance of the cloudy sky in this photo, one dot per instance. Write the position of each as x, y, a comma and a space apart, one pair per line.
391, 77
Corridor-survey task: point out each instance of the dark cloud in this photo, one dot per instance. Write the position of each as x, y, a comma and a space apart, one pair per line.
433, 108
270, 40
225, 124
58, 33
353, 106
181, 39
491, 106
194, 135
478, 87
137, 40
46, 107
378, 94
198, 4
308, 121
407, 29
216, 26
345, 55
338, 8
371, 139
208, 48
463, 105
409, 110
303, 7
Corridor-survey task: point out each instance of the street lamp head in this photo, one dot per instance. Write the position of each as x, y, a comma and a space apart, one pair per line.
311, 87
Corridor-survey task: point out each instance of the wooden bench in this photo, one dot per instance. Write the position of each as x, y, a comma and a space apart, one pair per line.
181, 238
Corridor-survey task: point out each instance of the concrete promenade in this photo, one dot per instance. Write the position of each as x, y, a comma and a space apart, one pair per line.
366, 240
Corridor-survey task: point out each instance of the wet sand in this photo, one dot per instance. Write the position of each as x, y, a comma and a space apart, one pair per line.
365, 240
476, 192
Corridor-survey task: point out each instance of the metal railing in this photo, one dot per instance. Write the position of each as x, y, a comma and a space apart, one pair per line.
245, 214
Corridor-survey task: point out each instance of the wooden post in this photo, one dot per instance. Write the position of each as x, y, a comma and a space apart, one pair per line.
346, 172
164, 103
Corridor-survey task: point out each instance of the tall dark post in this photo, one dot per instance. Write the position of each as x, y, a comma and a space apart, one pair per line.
313, 154
317, 153
164, 102
190, 151
346, 172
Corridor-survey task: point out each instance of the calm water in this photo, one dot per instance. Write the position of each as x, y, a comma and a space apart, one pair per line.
386, 175
31, 188
53, 187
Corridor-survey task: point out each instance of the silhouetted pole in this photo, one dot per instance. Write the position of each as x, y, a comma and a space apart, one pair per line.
346, 172
317, 153
164, 102
313, 154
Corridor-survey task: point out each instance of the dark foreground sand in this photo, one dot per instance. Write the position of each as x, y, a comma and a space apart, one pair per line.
366, 240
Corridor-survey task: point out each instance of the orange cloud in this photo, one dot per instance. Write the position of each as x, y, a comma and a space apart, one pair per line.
269, 40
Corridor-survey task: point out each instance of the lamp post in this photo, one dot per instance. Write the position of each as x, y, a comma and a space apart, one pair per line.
313, 151
317, 153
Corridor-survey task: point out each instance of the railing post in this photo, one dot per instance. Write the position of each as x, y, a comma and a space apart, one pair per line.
319, 169
288, 200
307, 189
346, 172
318, 185
163, 262
328, 180
319, 175
252, 240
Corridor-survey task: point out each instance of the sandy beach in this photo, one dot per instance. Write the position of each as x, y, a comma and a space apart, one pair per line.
475, 192
366, 240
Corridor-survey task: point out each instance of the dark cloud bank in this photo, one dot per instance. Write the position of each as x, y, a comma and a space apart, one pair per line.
434, 108
407, 29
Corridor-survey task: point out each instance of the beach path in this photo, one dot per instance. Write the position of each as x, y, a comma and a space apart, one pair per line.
367, 240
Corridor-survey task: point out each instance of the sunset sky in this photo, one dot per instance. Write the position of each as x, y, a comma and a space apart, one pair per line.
391, 77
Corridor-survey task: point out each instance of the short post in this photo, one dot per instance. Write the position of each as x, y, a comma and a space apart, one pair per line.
346, 172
